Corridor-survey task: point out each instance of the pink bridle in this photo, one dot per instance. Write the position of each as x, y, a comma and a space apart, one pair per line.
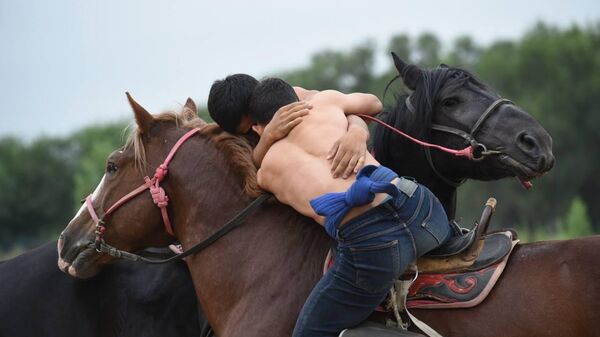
159, 195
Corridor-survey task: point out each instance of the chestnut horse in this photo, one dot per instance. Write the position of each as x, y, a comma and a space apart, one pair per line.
254, 281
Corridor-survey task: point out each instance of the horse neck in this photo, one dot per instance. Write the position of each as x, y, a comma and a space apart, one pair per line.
254, 272
237, 277
408, 159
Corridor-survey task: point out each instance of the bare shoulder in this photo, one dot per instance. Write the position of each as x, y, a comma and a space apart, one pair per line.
304, 94
327, 96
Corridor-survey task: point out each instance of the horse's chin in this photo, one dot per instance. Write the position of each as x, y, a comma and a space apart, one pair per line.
85, 265
519, 169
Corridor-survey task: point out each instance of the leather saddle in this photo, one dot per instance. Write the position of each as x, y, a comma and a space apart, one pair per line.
462, 250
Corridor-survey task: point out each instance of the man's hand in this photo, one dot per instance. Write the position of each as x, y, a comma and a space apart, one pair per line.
349, 152
285, 119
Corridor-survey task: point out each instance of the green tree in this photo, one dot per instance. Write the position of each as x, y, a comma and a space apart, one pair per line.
36, 184
464, 52
577, 223
428, 50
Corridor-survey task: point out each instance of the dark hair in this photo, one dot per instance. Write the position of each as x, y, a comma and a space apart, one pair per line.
270, 95
229, 98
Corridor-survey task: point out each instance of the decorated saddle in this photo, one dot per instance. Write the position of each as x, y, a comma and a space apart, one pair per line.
465, 287
460, 273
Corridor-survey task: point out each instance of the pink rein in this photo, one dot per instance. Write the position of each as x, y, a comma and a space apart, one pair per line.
466, 152
159, 196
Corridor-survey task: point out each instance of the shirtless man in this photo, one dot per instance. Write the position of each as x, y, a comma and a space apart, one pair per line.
381, 222
228, 106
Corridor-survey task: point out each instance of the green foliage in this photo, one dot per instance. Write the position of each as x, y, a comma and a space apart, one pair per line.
577, 223
352, 71
94, 144
428, 50
36, 186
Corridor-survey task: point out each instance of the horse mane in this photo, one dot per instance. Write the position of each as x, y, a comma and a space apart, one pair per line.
237, 150
417, 122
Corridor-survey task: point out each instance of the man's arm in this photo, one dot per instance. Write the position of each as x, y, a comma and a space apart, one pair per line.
284, 120
356, 103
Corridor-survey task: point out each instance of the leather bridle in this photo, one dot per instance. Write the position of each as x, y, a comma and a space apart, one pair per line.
480, 150
476, 150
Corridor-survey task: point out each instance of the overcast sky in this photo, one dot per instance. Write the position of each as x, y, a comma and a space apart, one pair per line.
67, 64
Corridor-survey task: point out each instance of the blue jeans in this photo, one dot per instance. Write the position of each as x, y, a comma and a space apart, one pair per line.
373, 250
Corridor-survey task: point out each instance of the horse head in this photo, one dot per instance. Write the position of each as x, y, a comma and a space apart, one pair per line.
450, 107
137, 223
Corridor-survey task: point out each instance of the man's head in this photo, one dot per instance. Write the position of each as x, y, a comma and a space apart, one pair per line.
270, 95
228, 102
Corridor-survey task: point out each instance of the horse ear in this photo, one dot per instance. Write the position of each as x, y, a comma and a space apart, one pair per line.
410, 73
143, 118
190, 111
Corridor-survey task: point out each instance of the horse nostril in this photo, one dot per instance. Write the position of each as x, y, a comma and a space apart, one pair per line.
549, 163
526, 142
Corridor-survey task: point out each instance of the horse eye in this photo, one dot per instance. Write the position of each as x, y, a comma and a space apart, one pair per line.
450, 102
111, 167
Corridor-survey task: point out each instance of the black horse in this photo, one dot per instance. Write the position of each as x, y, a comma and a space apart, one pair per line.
450, 107
126, 299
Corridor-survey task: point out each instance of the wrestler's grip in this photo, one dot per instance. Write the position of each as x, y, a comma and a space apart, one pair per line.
348, 153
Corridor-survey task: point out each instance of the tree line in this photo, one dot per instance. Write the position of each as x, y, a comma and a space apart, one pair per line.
551, 72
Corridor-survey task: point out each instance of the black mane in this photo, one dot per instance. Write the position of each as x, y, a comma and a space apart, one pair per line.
417, 123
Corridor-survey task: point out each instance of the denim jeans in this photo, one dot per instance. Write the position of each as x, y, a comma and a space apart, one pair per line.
373, 250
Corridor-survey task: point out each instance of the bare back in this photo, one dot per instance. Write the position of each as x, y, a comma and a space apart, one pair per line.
295, 168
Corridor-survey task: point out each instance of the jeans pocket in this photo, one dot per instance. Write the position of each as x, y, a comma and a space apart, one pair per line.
434, 228
376, 266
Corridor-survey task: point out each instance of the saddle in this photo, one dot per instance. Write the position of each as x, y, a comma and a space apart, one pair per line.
464, 248
462, 280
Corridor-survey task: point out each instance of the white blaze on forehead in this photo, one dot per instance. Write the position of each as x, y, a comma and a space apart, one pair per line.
94, 196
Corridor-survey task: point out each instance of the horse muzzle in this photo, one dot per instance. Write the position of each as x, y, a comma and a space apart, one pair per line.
79, 260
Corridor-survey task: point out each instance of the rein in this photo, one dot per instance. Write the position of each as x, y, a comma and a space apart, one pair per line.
228, 227
161, 200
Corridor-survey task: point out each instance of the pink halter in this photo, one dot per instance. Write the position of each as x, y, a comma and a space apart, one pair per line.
159, 195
